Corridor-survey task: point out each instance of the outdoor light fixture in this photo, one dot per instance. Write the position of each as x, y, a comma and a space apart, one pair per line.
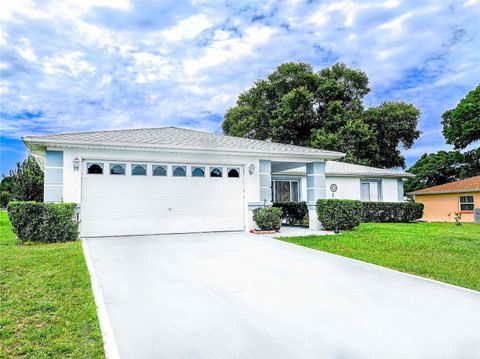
76, 163
251, 169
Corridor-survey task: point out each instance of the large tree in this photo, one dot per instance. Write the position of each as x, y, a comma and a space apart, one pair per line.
443, 167
324, 109
27, 181
461, 125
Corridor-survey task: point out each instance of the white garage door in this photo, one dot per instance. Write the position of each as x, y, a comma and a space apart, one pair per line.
124, 198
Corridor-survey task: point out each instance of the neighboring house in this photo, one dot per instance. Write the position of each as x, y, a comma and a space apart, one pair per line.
443, 201
174, 180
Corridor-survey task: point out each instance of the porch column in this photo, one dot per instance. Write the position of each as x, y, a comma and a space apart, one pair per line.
315, 190
265, 174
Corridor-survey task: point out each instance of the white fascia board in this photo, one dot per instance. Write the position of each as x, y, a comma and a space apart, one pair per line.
182, 149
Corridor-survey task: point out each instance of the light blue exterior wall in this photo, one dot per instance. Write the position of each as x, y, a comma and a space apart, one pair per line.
265, 173
53, 185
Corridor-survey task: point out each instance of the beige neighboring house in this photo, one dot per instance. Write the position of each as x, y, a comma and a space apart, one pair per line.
443, 201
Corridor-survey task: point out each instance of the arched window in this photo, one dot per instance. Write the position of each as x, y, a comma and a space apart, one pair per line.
215, 171
179, 171
139, 170
234, 172
95, 168
198, 171
117, 168
159, 170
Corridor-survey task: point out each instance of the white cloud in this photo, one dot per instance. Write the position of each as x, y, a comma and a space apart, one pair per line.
187, 28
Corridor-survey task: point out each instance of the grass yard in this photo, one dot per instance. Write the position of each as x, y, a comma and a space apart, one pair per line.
47, 308
441, 251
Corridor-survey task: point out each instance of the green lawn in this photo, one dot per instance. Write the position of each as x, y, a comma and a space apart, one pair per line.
47, 308
441, 251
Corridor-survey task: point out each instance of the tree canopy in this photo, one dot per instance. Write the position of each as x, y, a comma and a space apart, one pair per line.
461, 125
443, 167
324, 109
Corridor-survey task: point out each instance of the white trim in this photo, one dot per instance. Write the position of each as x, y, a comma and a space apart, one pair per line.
109, 343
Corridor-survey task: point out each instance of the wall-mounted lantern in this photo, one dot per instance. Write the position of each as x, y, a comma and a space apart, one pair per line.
251, 169
76, 163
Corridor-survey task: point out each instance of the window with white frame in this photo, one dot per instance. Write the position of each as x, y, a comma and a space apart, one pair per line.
370, 190
285, 191
466, 203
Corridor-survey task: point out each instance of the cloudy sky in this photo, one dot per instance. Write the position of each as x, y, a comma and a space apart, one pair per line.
89, 65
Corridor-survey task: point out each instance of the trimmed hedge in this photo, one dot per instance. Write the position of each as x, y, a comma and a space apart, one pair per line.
43, 222
339, 213
268, 218
399, 212
293, 212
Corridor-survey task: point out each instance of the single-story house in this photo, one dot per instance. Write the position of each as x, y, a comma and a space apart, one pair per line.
443, 201
175, 180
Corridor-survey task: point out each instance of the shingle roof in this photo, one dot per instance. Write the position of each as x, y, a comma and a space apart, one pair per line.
336, 168
466, 185
178, 137
342, 168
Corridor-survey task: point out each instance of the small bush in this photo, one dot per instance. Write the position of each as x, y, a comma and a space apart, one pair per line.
43, 222
339, 213
293, 212
268, 218
399, 212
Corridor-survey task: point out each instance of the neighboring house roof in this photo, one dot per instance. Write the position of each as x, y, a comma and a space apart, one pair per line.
336, 168
180, 138
471, 184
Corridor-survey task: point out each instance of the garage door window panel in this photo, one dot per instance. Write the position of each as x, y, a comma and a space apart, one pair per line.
216, 172
233, 172
198, 171
95, 168
159, 170
139, 170
117, 169
179, 171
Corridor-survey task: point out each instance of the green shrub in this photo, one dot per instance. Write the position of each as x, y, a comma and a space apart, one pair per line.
5, 197
339, 213
268, 218
399, 212
43, 222
293, 212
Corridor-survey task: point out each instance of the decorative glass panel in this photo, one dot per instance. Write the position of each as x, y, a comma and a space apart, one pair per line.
466, 203
234, 172
139, 170
282, 191
198, 171
179, 171
294, 191
95, 168
158, 170
117, 168
215, 172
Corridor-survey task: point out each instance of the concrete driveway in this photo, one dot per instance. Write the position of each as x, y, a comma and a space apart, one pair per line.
236, 295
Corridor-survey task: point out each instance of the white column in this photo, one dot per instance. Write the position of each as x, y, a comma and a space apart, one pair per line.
315, 190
